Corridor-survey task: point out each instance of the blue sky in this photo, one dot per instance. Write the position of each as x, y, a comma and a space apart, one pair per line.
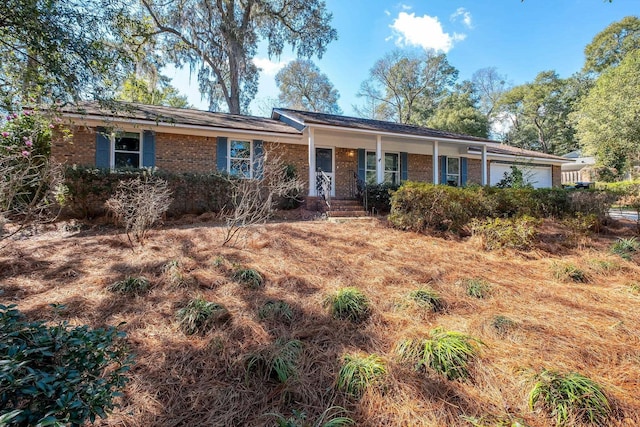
520, 39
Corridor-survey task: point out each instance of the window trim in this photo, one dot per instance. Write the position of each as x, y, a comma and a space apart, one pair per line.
250, 159
398, 172
459, 174
367, 170
112, 147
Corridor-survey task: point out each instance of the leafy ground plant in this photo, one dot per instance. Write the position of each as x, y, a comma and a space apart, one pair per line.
199, 316
625, 247
476, 287
278, 361
360, 372
276, 310
331, 417
514, 233
426, 298
570, 397
248, 277
130, 286
58, 375
175, 276
569, 272
446, 352
349, 304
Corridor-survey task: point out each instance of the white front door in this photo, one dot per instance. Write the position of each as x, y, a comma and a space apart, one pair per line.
325, 163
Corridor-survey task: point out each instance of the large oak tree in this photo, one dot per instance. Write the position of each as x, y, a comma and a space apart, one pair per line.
219, 39
304, 87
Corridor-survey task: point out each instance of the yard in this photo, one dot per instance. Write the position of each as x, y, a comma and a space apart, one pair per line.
527, 319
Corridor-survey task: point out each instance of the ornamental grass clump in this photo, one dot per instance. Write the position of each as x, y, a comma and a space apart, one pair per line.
513, 233
447, 353
334, 416
625, 247
349, 304
199, 316
358, 373
426, 298
278, 310
569, 272
476, 287
277, 362
570, 398
130, 286
249, 277
175, 276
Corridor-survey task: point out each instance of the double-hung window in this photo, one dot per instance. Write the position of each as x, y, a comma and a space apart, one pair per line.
240, 159
453, 171
370, 174
391, 168
126, 150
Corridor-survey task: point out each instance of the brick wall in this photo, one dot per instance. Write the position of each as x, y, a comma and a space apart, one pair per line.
346, 165
474, 171
296, 155
556, 176
185, 153
420, 167
81, 150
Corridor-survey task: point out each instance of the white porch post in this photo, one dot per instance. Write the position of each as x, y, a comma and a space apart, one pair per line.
312, 163
483, 165
436, 172
379, 162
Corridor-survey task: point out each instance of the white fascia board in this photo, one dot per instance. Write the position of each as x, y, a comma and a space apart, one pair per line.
492, 156
101, 121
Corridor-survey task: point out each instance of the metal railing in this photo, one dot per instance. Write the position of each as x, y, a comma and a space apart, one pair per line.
323, 187
359, 190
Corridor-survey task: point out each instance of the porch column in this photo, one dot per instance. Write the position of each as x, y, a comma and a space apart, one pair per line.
483, 165
379, 162
436, 164
312, 163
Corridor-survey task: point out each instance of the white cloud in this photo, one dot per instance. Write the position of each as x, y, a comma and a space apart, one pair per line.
406, 7
465, 14
386, 12
424, 31
269, 67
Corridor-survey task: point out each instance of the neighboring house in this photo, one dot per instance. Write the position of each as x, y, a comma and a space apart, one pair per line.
579, 169
341, 149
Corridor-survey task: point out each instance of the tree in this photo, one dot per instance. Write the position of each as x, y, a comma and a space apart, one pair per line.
458, 113
220, 38
408, 85
610, 46
607, 120
302, 86
489, 87
63, 49
539, 113
137, 89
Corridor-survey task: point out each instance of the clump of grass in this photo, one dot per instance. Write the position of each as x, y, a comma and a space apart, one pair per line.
570, 397
175, 276
349, 304
130, 286
625, 247
603, 266
476, 287
278, 362
249, 277
494, 421
634, 287
359, 373
331, 417
426, 298
448, 353
199, 316
276, 310
502, 325
569, 272
514, 233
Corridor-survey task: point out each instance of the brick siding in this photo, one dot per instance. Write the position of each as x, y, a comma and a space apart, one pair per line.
420, 167
346, 165
296, 155
81, 150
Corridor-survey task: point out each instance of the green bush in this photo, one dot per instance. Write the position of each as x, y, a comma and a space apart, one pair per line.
130, 286
592, 203
427, 298
278, 361
446, 352
248, 277
359, 373
379, 196
570, 397
349, 304
200, 315
58, 375
514, 233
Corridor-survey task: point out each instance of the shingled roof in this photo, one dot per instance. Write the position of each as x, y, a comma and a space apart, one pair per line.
178, 116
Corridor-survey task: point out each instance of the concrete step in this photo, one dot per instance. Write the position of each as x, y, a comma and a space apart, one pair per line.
346, 214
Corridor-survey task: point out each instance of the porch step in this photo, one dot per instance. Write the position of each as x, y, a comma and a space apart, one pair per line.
346, 214
346, 208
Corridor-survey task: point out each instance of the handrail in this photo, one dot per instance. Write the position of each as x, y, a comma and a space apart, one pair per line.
323, 186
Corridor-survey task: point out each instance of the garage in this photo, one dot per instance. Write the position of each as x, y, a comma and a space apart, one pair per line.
537, 175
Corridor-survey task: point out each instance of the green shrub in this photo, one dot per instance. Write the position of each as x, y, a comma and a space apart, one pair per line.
378, 196
514, 233
58, 375
359, 373
130, 286
278, 361
570, 397
592, 203
349, 304
569, 272
200, 315
502, 325
276, 310
625, 247
248, 277
448, 353
427, 298
331, 417
476, 287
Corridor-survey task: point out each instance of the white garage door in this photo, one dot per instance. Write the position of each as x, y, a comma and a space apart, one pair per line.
538, 176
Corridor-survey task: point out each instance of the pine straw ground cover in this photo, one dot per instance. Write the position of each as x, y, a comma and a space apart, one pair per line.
179, 380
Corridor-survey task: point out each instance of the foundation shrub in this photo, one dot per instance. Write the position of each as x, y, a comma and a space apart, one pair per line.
58, 374
592, 203
514, 233
378, 196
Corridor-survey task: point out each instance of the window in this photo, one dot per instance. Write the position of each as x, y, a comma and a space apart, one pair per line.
240, 159
391, 168
126, 150
370, 173
453, 171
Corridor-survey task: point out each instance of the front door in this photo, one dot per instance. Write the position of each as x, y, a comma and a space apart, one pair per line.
324, 163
